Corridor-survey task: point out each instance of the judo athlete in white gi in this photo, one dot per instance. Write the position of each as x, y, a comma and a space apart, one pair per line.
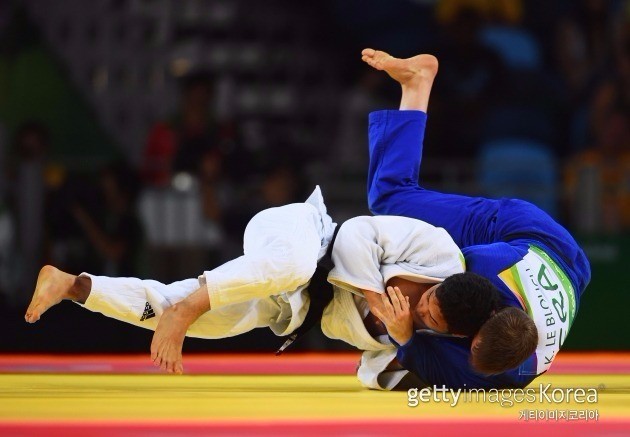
369, 253
268, 285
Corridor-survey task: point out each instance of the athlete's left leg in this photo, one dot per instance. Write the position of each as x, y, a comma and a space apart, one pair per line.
396, 143
131, 300
395, 146
143, 303
282, 246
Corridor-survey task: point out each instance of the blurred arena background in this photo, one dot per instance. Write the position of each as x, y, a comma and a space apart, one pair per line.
137, 137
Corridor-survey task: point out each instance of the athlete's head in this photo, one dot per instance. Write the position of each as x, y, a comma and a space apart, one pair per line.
460, 305
506, 340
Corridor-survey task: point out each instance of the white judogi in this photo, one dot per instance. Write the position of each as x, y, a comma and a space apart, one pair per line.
267, 286
368, 252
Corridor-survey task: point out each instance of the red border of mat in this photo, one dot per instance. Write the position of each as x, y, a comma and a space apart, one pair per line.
310, 428
268, 364
226, 364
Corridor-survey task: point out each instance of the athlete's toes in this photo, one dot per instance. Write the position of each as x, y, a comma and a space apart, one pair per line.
31, 317
368, 52
372, 63
156, 356
154, 352
32, 308
170, 366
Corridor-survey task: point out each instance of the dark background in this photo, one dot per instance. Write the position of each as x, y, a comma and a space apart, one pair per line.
137, 137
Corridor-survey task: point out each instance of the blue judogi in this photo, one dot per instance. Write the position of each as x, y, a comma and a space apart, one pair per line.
492, 234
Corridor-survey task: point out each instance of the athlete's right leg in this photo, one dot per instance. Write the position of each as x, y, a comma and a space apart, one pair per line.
281, 252
132, 300
281, 248
171, 310
395, 141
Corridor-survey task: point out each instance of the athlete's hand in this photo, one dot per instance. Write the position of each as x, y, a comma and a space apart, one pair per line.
396, 315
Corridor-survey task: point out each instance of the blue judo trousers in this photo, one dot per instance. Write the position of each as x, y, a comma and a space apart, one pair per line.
492, 234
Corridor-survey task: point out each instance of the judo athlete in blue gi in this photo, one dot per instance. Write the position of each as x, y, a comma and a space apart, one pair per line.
534, 262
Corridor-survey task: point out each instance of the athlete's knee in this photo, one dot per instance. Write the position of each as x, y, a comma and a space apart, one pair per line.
377, 200
304, 272
291, 265
389, 201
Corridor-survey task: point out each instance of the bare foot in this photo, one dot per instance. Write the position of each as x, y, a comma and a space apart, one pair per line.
52, 287
408, 72
168, 339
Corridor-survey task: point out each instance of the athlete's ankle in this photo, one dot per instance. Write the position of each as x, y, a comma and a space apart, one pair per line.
80, 289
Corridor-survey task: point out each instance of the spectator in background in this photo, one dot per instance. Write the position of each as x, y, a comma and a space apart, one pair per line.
598, 179
613, 93
281, 185
180, 144
195, 144
3, 157
216, 190
583, 47
470, 80
504, 11
118, 235
281, 182
6, 222
28, 198
210, 178
360, 99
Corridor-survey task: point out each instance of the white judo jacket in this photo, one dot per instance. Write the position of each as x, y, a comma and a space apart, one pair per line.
367, 253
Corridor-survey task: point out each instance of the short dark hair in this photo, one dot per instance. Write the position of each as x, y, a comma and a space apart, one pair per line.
466, 301
505, 341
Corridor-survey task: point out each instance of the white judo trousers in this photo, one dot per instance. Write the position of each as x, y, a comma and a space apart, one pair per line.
266, 287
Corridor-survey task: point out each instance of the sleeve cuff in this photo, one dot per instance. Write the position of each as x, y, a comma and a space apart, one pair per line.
399, 346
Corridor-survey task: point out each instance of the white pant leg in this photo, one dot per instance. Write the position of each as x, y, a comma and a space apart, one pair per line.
264, 287
129, 299
126, 299
281, 249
